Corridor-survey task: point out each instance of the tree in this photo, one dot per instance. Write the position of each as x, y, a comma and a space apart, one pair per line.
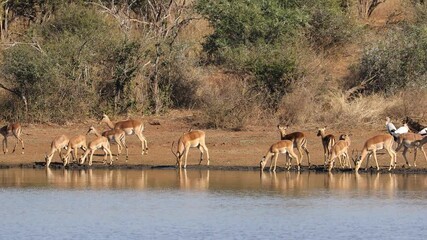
159, 20
366, 7
256, 38
60, 62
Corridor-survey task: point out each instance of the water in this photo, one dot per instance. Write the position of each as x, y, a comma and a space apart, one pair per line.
171, 204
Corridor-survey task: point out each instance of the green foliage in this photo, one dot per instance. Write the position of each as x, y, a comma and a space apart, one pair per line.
62, 64
31, 9
329, 24
260, 37
126, 63
246, 23
398, 62
255, 37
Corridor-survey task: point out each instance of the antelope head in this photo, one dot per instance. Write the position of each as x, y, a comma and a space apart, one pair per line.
356, 160
178, 154
321, 131
104, 118
262, 163
91, 130
282, 129
81, 160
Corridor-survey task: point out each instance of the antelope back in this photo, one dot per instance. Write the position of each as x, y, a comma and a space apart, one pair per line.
59, 142
281, 145
131, 123
295, 136
386, 139
98, 142
112, 132
410, 137
193, 138
9, 128
339, 147
77, 140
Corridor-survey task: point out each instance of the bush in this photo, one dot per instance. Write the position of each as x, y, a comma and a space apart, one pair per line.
255, 37
60, 71
233, 105
329, 25
396, 63
259, 38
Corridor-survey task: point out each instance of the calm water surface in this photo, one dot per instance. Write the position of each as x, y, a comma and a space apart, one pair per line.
193, 204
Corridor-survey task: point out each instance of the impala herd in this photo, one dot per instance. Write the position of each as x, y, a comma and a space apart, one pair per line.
333, 149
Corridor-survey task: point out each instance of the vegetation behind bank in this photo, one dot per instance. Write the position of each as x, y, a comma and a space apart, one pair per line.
235, 63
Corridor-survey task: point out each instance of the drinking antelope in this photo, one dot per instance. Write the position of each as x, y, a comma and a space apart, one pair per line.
382, 141
193, 138
340, 149
116, 136
74, 144
58, 143
284, 146
130, 127
407, 140
298, 139
99, 142
14, 129
327, 141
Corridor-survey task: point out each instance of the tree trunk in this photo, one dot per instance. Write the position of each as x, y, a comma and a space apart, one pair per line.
20, 95
366, 7
5, 23
155, 83
24, 99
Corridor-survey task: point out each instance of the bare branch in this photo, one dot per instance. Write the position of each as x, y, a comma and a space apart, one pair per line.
358, 87
10, 90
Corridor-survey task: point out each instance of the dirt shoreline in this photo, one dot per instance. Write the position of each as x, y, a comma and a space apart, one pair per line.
314, 168
228, 150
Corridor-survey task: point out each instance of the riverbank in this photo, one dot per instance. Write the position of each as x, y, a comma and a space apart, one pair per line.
304, 169
228, 150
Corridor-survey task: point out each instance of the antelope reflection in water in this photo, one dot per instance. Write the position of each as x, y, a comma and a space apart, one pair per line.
194, 180
284, 181
386, 184
97, 178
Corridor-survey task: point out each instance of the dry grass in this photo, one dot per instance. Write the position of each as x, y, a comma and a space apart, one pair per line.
412, 103
358, 111
334, 108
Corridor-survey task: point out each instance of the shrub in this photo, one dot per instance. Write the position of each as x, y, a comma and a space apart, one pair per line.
259, 38
329, 25
60, 70
396, 63
233, 105
255, 37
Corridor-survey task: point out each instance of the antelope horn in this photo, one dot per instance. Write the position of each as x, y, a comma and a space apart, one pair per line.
172, 149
